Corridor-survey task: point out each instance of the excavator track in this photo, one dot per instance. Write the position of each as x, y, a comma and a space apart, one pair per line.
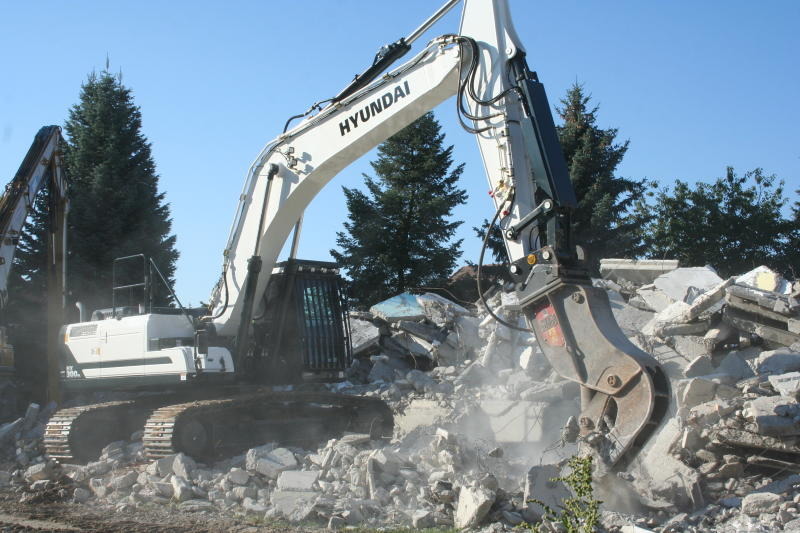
78, 434
210, 429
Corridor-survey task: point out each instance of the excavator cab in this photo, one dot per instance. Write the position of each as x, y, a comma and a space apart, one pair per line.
304, 333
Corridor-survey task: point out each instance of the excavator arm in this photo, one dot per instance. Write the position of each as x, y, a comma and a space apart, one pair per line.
624, 391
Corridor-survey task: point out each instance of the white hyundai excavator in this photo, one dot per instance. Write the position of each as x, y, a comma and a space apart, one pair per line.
268, 322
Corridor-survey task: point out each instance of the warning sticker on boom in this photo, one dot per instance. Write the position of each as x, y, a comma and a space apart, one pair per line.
547, 323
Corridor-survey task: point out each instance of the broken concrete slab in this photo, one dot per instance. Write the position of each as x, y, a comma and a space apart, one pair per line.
294, 480
787, 384
254, 454
655, 299
404, 306
709, 301
630, 319
420, 412
440, 310
238, 476
182, 488
662, 476
676, 283
670, 315
689, 347
710, 413
413, 345
735, 367
765, 279
183, 465
694, 328
697, 391
365, 337
125, 481
699, 366
761, 502
275, 462
778, 361
722, 333
751, 323
772, 415
539, 486
293, 505
428, 333
641, 271
381, 370
473, 506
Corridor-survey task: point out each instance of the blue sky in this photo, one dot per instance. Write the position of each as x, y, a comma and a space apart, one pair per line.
695, 86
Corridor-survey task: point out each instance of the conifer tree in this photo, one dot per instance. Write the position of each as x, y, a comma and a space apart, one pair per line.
605, 221
602, 223
733, 224
116, 209
399, 235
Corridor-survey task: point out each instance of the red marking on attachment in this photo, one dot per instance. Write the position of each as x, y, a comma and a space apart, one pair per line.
547, 321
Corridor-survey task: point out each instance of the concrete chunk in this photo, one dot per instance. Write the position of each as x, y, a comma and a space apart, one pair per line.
124, 481
786, 384
238, 476
676, 283
420, 412
293, 505
765, 279
539, 486
761, 502
473, 505
640, 271
707, 301
778, 361
697, 391
298, 481
699, 366
275, 462
164, 465
183, 466
364, 336
422, 519
735, 366
773, 415
182, 488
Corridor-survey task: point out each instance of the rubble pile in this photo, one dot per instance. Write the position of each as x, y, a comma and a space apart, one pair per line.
480, 415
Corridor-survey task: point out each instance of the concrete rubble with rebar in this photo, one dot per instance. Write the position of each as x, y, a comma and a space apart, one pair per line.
482, 422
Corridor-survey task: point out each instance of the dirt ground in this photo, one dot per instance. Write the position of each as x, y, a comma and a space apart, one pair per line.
40, 512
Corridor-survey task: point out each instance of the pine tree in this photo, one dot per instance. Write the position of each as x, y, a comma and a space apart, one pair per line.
602, 223
116, 209
733, 224
399, 235
606, 222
